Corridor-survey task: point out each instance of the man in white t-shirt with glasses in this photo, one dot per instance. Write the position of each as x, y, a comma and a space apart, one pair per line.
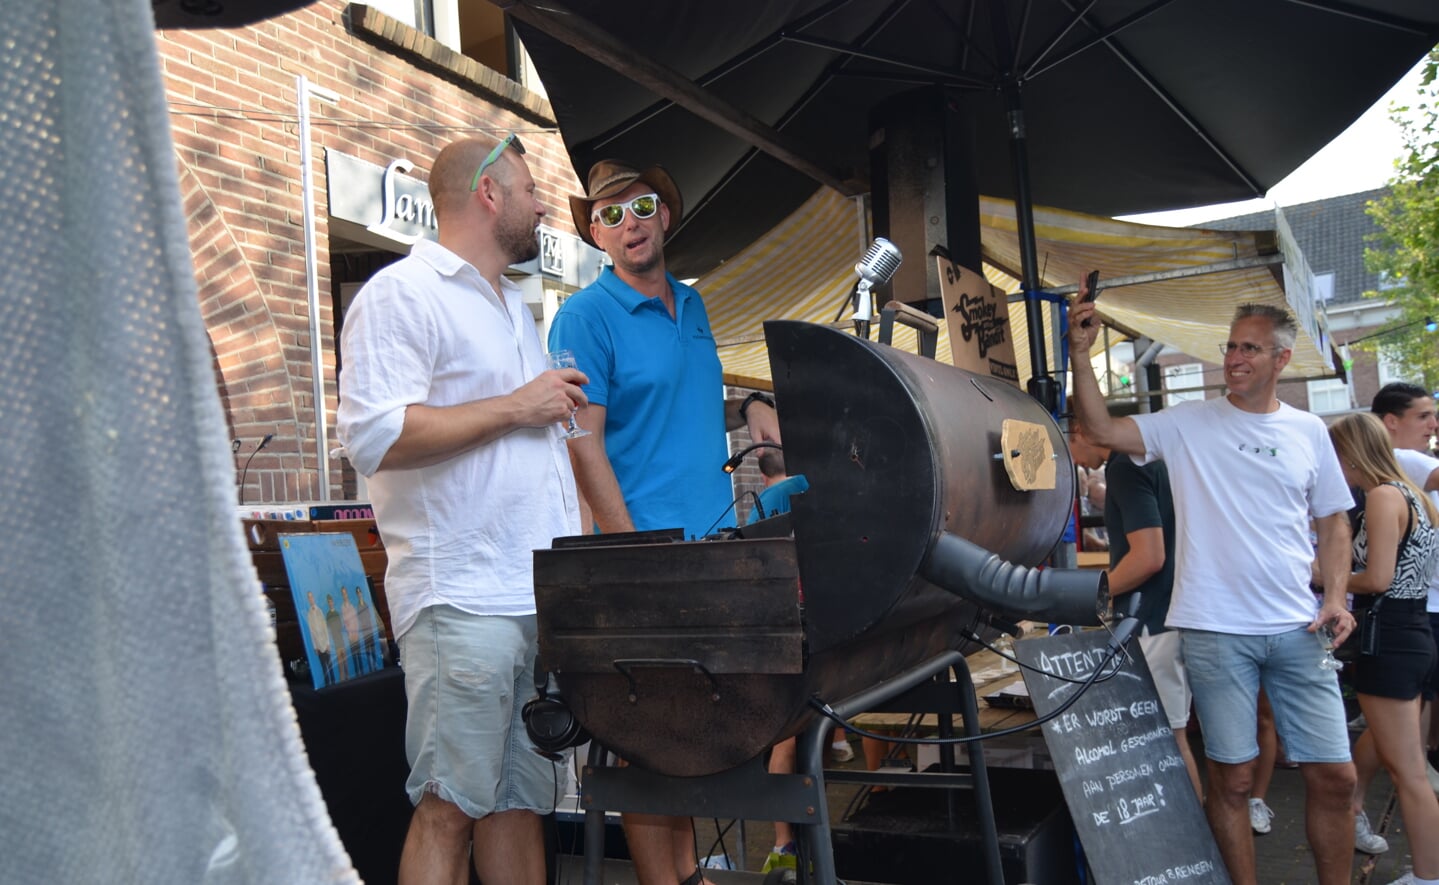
1248, 474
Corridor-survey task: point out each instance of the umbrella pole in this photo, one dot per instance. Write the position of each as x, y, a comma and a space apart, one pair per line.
1042, 385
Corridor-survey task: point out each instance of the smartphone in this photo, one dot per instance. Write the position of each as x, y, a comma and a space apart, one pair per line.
1091, 281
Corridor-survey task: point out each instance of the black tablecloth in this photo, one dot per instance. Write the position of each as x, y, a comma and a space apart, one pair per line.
354, 733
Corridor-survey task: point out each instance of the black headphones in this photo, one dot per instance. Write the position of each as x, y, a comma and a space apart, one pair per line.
551, 725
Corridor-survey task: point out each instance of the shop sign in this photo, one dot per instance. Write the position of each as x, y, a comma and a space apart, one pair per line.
404, 210
383, 207
384, 201
1299, 285
552, 252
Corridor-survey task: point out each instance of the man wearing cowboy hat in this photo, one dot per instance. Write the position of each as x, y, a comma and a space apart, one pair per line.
656, 409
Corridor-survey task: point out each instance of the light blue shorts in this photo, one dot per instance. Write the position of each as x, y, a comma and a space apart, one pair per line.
466, 679
1225, 672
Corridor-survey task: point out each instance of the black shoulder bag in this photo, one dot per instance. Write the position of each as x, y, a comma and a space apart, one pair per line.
1369, 623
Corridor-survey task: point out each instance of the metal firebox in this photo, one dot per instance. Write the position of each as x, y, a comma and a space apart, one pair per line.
918, 529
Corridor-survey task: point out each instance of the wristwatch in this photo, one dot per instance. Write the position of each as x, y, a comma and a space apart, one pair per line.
754, 397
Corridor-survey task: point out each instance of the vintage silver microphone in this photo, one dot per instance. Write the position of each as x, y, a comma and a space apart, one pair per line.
875, 268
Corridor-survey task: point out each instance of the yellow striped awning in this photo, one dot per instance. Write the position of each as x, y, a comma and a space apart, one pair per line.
803, 269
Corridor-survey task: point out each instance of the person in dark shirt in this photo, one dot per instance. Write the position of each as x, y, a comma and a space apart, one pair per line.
1139, 518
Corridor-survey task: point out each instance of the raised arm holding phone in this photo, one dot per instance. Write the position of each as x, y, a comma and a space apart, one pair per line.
1248, 472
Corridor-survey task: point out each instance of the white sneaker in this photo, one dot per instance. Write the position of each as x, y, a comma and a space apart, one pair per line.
1406, 879
1365, 839
841, 752
1260, 816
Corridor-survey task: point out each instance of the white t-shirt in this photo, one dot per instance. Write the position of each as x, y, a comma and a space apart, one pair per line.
1417, 466
430, 330
1245, 487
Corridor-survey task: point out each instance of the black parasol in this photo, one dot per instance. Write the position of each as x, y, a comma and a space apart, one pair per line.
1100, 106
219, 13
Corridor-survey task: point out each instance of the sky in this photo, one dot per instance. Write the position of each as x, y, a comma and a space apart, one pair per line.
1360, 158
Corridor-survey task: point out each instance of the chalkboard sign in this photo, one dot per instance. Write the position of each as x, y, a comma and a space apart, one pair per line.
1119, 766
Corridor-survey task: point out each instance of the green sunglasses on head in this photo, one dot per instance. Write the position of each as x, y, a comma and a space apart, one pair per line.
511, 140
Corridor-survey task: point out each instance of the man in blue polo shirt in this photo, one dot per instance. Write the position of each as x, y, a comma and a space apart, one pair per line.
656, 414
656, 408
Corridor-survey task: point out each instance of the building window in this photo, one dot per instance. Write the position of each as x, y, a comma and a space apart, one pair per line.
408, 11
1183, 383
476, 28
1390, 369
1328, 395
1323, 288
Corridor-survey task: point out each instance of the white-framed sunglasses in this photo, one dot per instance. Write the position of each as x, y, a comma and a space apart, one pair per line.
641, 207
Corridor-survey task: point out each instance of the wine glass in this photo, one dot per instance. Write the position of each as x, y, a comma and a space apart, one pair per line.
565, 359
1326, 641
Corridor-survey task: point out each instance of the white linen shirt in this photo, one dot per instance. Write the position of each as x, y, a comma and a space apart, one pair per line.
430, 330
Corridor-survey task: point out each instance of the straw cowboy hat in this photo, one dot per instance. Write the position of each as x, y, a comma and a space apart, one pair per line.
610, 177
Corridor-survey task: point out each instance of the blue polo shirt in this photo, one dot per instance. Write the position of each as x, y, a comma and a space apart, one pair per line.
661, 384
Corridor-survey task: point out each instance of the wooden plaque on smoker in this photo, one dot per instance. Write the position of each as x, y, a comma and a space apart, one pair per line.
1028, 455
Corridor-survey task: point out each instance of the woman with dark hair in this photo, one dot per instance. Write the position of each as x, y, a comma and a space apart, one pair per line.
1395, 543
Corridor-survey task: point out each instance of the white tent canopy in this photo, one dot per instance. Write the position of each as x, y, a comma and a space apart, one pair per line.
803, 269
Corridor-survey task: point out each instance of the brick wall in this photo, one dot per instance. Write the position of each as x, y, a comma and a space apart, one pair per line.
232, 96
747, 477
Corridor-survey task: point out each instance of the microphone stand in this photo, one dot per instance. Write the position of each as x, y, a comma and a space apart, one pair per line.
264, 442
863, 308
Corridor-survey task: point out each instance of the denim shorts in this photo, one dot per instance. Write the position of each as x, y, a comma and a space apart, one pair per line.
1225, 672
466, 679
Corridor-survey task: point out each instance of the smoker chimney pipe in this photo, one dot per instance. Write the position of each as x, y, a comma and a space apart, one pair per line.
1059, 596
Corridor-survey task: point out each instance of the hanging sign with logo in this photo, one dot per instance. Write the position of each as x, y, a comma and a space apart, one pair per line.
977, 313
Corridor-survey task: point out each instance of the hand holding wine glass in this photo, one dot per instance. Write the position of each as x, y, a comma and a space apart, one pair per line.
565, 359
1326, 641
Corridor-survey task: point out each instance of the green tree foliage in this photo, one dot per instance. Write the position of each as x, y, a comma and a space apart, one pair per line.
1405, 251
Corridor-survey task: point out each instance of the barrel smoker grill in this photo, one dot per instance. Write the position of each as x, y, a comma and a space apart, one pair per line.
691, 658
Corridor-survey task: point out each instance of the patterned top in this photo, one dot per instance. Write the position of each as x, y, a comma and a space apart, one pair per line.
1416, 557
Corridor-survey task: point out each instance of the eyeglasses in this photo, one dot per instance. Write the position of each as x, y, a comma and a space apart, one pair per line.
511, 140
641, 207
1246, 350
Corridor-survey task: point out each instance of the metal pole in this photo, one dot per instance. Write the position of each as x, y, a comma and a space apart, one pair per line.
594, 825
312, 288
1041, 384
1141, 372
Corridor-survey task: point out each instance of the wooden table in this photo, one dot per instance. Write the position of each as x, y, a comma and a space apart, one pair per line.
1092, 559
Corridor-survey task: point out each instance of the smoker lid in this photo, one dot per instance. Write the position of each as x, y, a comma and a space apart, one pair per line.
897, 449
